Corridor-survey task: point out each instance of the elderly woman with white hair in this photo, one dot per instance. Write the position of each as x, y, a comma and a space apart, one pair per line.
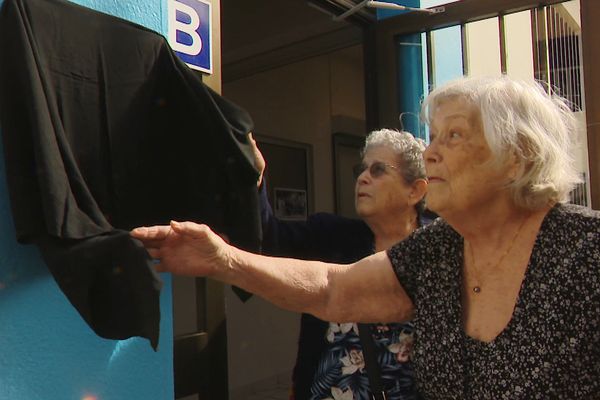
503, 289
333, 358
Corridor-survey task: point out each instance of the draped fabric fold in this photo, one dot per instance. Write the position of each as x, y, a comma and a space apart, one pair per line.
105, 129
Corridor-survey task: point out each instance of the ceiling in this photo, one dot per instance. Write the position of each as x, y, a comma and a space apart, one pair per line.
260, 34
364, 16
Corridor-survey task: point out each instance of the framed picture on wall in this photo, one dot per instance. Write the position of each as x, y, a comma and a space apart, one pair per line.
290, 204
346, 157
289, 176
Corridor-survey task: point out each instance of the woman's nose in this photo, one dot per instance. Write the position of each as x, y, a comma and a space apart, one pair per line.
431, 153
363, 177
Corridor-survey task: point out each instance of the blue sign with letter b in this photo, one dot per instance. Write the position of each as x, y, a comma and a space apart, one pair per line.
189, 32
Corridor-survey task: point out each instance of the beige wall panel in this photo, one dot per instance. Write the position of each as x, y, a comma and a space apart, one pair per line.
348, 91
303, 102
292, 103
300, 102
483, 48
519, 46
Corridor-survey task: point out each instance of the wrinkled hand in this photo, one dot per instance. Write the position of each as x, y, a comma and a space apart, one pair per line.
185, 248
259, 160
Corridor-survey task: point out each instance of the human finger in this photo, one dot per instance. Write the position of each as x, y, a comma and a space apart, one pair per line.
192, 229
147, 233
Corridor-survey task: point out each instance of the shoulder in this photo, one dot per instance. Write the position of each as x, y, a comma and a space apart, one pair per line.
572, 212
569, 220
427, 256
570, 229
429, 241
431, 233
567, 250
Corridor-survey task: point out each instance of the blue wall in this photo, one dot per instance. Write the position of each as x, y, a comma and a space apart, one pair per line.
410, 90
411, 52
47, 351
411, 87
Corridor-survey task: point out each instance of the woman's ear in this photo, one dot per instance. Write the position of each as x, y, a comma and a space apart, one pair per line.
418, 191
513, 165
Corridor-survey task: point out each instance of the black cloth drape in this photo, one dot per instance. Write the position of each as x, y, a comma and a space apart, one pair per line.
105, 129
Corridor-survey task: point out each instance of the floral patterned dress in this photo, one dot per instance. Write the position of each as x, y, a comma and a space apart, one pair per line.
550, 349
341, 373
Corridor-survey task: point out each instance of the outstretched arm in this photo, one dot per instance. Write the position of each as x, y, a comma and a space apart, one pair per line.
366, 291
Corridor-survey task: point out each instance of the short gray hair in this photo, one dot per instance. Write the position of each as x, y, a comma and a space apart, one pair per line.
409, 152
521, 119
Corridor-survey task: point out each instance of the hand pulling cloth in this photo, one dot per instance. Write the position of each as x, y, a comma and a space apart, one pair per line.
105, 129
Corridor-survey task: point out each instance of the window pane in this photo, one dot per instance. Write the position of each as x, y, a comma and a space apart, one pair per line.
483, 48
519, 48
447, 55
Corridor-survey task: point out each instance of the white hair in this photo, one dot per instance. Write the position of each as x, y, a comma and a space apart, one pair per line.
520, 119
408, 150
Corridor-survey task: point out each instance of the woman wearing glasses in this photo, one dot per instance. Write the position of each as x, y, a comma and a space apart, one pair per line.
389, 198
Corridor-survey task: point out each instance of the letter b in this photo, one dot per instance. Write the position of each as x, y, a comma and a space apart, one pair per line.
189, 29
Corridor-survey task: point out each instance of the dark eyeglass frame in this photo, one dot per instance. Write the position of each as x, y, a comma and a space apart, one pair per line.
377, 169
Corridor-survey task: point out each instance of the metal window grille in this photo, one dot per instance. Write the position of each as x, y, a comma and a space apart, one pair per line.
557, 60
579, 195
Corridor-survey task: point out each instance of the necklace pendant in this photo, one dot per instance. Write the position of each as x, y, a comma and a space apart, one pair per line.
476, 289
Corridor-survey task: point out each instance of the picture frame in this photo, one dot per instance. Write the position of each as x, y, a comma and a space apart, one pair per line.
290, 204
288, 175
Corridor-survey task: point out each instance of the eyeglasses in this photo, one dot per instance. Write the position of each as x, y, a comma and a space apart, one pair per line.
376, 170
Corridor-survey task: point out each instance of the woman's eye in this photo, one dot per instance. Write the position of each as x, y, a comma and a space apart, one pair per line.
454, 135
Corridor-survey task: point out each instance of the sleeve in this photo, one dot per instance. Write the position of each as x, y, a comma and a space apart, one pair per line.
410, 259
404, 257
431, 256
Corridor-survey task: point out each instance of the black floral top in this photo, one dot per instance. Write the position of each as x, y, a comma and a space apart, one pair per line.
550, 348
